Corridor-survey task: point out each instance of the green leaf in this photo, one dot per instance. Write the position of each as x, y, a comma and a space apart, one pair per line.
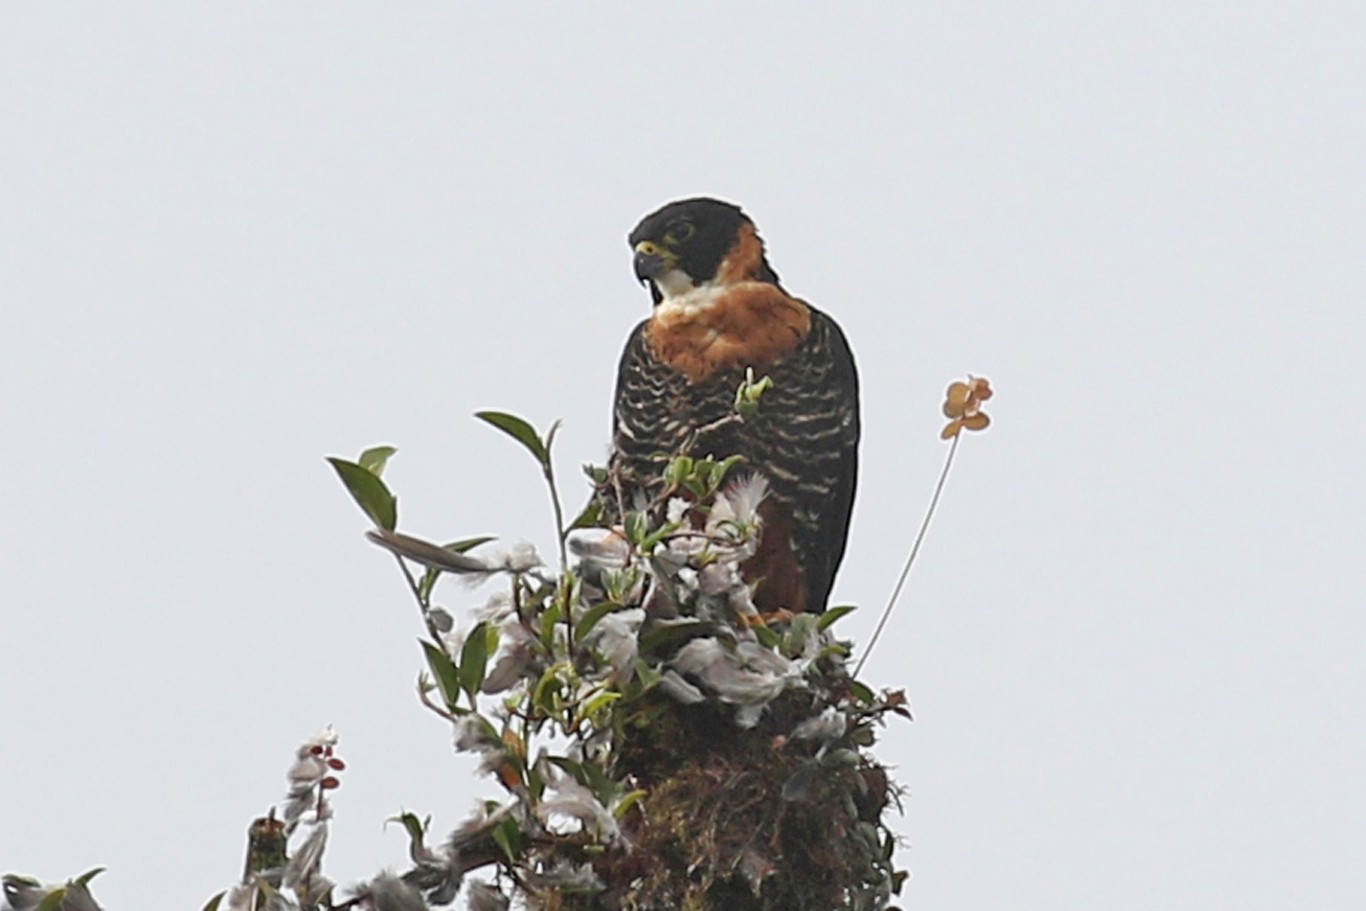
426, 584
628, 800
647, 544
749, 393
596, 780
840, 649
833, 614
85, 878
719, 470
53, 900
570, 766
213, 903
474, 658
678, 468
590, 619
545, 696
666, 633
590, 517
520, 431
799, 632
466, 544
535, 782
597, 704
369, 492
861, 692
548, 618
375, 458
508, 836
636, 526
767, 637
620, 584
444, 670
417, 832
648, 676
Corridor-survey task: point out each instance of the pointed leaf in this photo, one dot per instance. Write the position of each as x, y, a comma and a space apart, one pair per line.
767, 636
519, 430
628, 800
722, 468
590, 619
445, 672
636, 526
466, 544
647, 544
508, 836
369, 492
595, 705
591, 517
85, 878
679, 467
426, 584
375, 458
53, 900
647, 675
835, 649
417, 833
833, 614
474, 657
550, 436
213, 903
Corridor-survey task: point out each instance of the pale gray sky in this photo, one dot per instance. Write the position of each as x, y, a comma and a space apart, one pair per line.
237, 238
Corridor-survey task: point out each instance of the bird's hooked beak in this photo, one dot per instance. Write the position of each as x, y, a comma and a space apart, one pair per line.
652, 260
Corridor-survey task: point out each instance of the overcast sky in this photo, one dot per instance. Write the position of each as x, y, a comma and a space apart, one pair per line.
239, 238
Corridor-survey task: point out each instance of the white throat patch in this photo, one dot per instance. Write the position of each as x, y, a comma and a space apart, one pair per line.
685, 299
674, 283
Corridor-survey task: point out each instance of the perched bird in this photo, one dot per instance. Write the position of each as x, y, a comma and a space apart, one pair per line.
718, 310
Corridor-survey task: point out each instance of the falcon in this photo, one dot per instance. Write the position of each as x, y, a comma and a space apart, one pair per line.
720, 310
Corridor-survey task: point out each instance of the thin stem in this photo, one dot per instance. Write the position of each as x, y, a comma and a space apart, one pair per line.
561, 532
422, 604
910, 559
548, 469
697, 432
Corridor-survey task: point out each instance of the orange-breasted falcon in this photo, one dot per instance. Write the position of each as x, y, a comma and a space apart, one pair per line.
719, 309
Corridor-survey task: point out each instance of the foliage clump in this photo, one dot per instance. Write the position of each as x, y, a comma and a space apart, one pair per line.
659, 743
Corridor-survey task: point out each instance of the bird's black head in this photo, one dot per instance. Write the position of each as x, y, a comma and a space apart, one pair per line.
683, 245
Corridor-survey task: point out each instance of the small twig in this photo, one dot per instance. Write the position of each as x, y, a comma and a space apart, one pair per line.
549, 471
426, 701
910, 559
697, 432
421, 603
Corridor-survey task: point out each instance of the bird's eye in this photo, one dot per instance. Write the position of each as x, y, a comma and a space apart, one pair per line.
679, 232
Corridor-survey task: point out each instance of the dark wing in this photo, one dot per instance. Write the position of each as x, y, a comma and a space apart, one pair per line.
831, 431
